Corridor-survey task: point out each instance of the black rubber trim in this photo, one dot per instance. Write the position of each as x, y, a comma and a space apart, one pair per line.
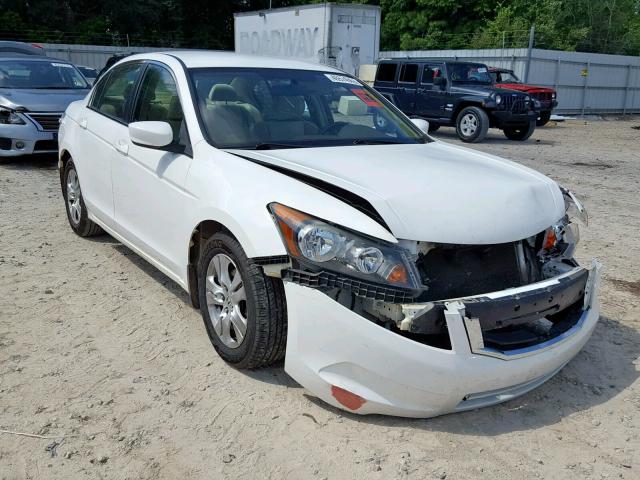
272, 260
350, 198
325, 279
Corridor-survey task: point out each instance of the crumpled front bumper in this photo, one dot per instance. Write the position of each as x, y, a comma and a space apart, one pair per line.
354, 364
16, 140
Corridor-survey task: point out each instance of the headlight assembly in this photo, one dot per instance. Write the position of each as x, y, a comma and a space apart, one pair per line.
10, 117
574, 208
314, 242
498, 99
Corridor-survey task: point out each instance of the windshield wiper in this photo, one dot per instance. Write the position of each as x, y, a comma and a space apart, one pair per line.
275, 146
366, 141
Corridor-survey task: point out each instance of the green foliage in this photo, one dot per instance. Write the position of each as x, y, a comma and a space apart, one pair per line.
609, 26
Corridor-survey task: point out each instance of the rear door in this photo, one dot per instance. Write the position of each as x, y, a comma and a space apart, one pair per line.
407, 87
431, 98
148, 183
102, 122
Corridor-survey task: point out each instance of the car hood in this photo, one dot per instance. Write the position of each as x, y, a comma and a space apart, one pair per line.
40, 100
525, 88
433, 192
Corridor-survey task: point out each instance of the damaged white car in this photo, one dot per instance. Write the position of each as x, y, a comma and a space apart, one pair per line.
395, 274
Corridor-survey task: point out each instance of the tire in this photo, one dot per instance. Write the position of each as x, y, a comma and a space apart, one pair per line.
472, 124
380, 122
520, 133
433, 127
262, 313
543, 119
74, 204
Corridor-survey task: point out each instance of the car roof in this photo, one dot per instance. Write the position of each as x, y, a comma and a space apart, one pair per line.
213, 58
8, 46
31, 58
428, 59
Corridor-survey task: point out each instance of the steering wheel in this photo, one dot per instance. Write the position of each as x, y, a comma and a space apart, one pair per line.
334, 128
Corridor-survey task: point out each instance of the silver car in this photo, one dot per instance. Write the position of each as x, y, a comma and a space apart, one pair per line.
34, 92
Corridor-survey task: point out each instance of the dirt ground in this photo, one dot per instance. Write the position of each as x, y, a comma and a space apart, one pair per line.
103, 355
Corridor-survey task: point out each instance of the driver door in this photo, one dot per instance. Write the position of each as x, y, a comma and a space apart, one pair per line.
431, 98
148, 183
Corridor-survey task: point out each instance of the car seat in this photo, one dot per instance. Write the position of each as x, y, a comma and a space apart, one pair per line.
285, 120
226, 119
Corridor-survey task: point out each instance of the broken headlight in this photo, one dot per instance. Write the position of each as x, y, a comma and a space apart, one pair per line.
319, 243
562, 238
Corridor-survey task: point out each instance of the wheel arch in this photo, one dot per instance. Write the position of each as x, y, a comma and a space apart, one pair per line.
63, 157
464, 104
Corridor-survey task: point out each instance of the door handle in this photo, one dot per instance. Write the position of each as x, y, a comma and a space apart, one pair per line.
83, 123
122, 146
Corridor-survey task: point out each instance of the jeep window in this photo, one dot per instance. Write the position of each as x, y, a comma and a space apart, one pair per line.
386, 72
430, 72
261, 108
469, 73
38, 74
409, 73
504, 77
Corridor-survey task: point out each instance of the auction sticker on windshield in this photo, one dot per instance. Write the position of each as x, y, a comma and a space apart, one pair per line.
341, 79
366, 97
65, 65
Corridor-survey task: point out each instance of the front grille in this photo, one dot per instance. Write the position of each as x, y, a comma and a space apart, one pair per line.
49, 122
45, 145
514, 103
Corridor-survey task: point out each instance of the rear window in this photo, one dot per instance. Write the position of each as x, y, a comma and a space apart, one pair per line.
386, 72
409, 73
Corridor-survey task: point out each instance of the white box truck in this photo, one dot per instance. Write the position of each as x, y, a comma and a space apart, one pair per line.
342, 35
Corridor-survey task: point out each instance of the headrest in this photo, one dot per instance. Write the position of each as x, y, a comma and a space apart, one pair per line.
221, 92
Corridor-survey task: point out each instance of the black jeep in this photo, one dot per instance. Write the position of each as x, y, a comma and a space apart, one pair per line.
453, 93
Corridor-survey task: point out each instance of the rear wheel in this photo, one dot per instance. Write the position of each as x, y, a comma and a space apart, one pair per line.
244, 311
520, 133
543, 119
74, 203
472, 124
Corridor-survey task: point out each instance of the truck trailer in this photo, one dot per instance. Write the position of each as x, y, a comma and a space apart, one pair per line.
341, 35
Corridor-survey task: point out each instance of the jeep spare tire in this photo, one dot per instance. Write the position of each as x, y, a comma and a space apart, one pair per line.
472, 124
520, 133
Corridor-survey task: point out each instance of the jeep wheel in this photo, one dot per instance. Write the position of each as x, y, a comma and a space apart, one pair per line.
520, 133
543, 119
380, 122
472, 124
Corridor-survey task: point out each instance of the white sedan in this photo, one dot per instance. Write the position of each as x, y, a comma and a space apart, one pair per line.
394, 273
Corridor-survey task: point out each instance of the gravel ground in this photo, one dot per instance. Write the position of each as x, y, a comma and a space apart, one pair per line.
104, 356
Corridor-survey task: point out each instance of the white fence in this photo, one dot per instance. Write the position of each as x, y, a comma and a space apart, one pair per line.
586, 82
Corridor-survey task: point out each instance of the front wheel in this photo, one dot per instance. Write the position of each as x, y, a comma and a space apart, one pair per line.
74, 203
472, 124
543, 119
244, 311
520, 133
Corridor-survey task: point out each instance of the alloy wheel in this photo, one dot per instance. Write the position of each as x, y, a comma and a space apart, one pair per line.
469, 124
226, 300
73, 197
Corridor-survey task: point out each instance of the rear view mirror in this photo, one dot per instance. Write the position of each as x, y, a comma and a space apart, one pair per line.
421, 123
151, 134
440, 81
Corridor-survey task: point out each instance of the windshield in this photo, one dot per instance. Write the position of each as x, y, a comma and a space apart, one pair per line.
504, 77
277, 108
469, 73
26, 74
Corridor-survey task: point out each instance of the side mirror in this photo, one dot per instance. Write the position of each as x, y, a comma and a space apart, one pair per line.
421, 123
151, 134
440, 81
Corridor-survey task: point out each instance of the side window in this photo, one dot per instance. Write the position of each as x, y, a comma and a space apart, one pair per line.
386, 72
158, 101
114, 97
409, 73
430, 72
